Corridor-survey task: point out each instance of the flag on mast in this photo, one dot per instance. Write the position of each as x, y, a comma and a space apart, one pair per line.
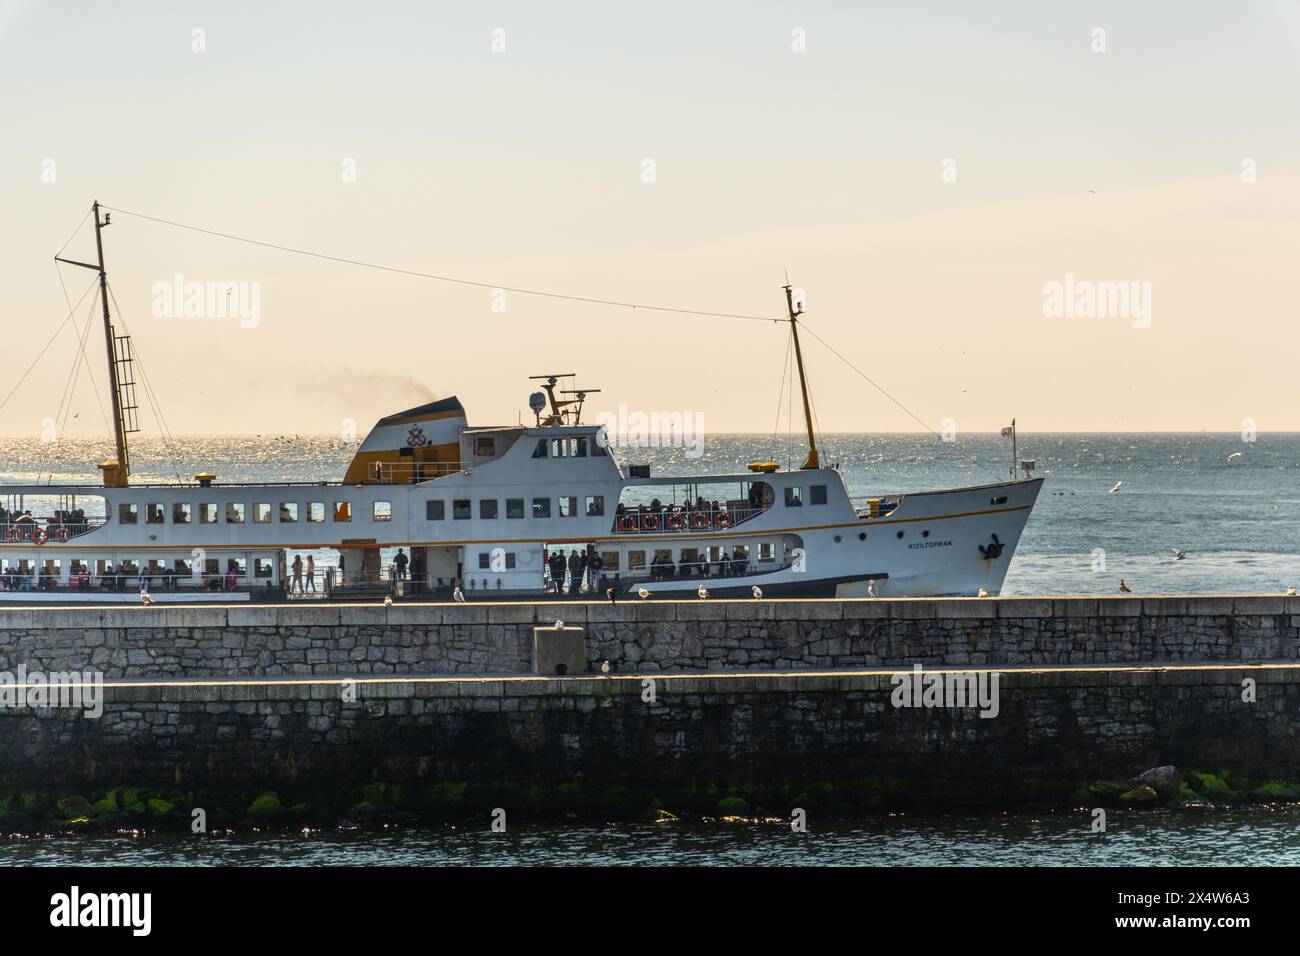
1008, 431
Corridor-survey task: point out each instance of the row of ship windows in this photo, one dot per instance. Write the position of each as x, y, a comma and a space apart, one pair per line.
567, 448
462, 509
567, 506
636, 559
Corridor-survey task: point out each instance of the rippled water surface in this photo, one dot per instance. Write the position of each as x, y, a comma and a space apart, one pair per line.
1251, 836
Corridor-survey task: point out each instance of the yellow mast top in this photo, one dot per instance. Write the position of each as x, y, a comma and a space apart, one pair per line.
813, 460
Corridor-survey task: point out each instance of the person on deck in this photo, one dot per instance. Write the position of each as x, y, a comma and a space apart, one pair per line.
310, 573
400, 563
296, 584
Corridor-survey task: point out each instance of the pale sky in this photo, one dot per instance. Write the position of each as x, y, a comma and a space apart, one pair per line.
1172, 158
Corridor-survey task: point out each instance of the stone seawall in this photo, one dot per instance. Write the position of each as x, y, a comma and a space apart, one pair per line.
456, 745
651, 636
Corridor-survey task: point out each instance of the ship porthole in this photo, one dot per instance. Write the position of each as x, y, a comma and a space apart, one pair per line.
925, 534
837, 539
862, 536
900, 535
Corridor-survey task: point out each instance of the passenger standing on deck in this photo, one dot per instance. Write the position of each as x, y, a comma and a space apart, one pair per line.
311, 573
296, 586
575, 572
400, 563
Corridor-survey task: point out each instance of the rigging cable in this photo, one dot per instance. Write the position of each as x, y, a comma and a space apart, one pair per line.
45, 348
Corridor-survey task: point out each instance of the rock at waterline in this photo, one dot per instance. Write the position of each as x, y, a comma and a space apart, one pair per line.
1163, 780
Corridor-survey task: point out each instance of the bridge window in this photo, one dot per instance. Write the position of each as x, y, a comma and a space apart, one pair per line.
541, 507
514, 507
766, 551
598, 447
793, 497
128, 514
234, 512
568, 506
261, 512
435, 510
487, 509
288, 512
579, 448
208, 512
817, 495
342, 511
485, 447
382, 511
462, 509
540, 450
181, 512
153, 514
316, 512
595, 506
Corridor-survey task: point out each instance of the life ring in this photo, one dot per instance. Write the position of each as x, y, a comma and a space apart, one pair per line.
40, 536
627, 523
699, 521
722, 521
650, 522
63, 534
676, 522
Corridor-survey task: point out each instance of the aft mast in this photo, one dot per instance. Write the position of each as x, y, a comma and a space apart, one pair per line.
813, 460
116, 473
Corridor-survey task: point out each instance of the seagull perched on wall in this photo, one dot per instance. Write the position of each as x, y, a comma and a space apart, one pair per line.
388, 601
643, 593
559, 625
145, 599
982, 593
758, 593
1124, 588
609, 593
871, 588
702, 591
457, 596
604, 668
1290, 592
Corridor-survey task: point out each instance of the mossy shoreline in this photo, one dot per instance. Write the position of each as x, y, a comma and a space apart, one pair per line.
127, 807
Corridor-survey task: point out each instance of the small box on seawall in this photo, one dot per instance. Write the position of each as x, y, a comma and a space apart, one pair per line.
559, 650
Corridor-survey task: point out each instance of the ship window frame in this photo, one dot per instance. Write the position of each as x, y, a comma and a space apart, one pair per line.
258, 564
183, 566
793, 496
236, 508
378, 512
261, 512
315, 508
609, 561
342, 512
766, 552
579, 448
541, 450
209, 508
128, 512
515, 508
462, 509
485, 446
636, 560
815, 492
486, 505
435, 509
599, 502
572, 501
292, 515
152, 509
541, 508
184, 508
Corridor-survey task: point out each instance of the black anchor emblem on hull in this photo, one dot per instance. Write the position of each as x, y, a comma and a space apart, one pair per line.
992, 550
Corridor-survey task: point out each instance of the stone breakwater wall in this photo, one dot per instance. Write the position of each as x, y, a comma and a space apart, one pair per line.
447, 742
651, 636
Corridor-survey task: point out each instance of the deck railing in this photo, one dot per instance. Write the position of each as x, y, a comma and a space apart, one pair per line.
677, 520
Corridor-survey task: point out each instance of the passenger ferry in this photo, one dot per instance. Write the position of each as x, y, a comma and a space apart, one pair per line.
484, 512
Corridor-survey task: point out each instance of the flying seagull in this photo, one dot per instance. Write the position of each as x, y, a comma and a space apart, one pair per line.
1235, 454
1116, 488
1178, 555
